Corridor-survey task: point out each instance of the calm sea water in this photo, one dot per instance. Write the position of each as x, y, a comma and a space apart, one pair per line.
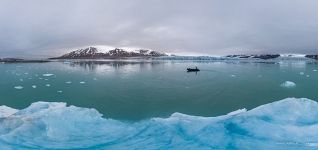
141, 89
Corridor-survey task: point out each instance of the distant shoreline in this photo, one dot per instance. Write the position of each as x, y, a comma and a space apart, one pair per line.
17, 60
228, 57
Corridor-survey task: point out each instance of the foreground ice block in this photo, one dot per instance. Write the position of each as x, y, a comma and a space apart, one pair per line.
286, 124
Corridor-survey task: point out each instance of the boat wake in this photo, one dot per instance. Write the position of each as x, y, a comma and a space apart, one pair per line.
286, 124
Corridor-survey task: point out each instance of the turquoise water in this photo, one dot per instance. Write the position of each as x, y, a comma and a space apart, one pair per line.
141, 89
144, 104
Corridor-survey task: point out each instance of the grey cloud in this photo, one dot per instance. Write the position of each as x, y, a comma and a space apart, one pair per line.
48, 28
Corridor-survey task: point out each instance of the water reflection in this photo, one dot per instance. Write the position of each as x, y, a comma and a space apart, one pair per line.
104, 67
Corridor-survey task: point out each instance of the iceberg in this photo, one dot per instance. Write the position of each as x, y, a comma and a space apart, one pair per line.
288, 84
18, 87
291, 123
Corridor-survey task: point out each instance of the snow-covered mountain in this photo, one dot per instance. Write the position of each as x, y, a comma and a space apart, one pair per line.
97, 53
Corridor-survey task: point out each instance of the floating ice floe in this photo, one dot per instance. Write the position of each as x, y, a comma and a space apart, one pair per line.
82, 82
34, 86
307, 75
301, 73
59, 91
288, 84
314, 70
18, 87
68, 82
286, 124
233, 75
47, 75
47, 85
21, 80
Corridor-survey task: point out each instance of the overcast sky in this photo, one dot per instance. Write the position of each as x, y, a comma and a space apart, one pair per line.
49, 27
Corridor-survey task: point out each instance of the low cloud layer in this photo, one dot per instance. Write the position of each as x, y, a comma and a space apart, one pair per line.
49, 28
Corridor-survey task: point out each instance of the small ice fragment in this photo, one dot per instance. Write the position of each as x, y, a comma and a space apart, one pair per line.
233, 75
30, 78
47, 75
21, 80
288, 84
307, 75
26, 73
301, 73
18, 87
95, 79
68, 82
314, 70
34, 86
82, 82
47, 85
59, 91
46, 79
40, 78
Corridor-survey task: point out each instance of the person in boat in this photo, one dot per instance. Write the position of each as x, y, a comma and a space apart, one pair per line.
194, 69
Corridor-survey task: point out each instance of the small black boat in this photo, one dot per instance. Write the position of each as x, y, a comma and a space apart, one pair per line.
193, 69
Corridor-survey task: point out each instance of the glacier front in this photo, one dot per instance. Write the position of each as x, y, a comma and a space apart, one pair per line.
291, 123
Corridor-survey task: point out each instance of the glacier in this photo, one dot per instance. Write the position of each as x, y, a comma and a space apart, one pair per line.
290, 123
